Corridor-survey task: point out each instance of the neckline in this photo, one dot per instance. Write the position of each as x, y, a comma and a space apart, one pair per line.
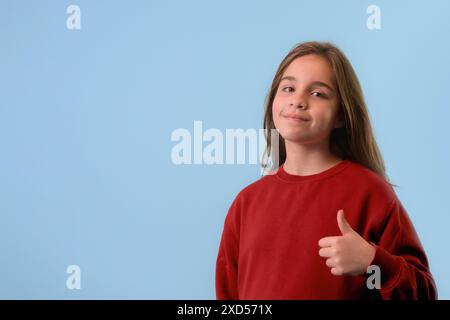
283, 175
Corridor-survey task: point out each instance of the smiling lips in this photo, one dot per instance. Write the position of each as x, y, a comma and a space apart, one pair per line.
296, 117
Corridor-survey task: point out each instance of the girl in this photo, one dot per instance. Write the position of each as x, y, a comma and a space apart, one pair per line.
312, 228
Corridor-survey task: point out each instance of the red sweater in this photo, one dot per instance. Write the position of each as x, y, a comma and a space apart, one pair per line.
269, 246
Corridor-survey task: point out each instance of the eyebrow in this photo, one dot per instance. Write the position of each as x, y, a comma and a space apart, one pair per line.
315, 83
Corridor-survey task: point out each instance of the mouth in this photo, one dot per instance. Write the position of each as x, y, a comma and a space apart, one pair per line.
296, 118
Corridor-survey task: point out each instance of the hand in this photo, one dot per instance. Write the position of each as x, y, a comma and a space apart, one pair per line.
348, 254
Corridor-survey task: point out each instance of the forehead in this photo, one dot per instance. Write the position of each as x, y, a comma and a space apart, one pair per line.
310, 68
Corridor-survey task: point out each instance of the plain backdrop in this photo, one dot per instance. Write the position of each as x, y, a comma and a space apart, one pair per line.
86, 117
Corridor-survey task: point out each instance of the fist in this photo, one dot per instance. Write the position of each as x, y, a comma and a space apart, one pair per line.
348, 254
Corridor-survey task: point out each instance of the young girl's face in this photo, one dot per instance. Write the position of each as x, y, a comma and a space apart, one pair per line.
306, 104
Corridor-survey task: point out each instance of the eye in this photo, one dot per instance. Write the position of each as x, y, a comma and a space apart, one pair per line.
287, 89
318, 94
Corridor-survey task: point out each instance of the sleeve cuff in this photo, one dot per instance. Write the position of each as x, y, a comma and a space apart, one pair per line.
391, 267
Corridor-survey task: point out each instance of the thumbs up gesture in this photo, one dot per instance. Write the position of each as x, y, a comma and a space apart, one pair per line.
348, 254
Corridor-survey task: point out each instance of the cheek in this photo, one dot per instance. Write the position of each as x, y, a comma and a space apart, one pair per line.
277, 106
326, 111
332, 115
323, 115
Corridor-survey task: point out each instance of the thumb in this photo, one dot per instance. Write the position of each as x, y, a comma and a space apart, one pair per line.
344, 226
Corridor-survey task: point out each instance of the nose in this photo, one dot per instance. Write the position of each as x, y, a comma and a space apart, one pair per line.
301, 105
298, 101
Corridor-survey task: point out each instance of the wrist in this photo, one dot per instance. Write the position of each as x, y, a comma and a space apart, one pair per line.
371, 251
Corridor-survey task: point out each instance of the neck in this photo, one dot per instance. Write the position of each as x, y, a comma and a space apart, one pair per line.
307, 159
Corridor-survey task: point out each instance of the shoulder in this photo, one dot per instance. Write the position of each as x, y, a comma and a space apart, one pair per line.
253, 192
256, 187
244, 199
369, 183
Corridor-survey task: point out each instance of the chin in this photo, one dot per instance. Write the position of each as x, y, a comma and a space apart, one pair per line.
287, 133
295, 137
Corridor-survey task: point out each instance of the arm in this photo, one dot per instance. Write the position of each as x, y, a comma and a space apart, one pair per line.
397, 252
404, 266
227, 260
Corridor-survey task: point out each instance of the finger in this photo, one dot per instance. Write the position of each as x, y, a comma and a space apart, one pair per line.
344, 226
330, 262
327, 241
336, 271
326, 252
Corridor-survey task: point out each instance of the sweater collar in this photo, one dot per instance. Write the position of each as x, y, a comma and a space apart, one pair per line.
283, 175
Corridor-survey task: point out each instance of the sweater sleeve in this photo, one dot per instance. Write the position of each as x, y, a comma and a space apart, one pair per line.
402, 261
227, 259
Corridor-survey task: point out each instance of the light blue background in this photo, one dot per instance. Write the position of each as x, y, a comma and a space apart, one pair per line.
86, 117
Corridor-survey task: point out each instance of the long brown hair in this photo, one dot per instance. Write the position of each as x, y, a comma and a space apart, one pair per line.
354, 141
